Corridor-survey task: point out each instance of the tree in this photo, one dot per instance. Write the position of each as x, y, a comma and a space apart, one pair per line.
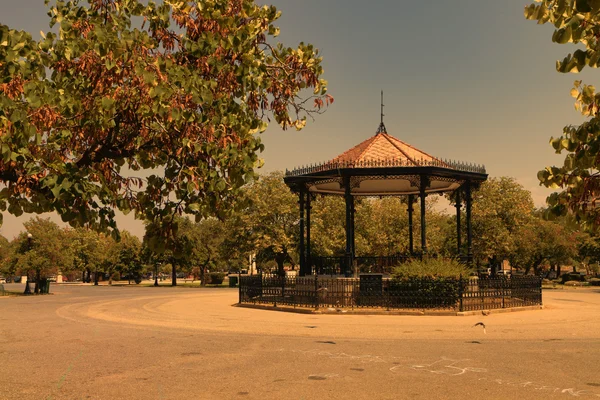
501, 207
328, 221
6, 267
268, 224
209, 235
540, 241
88, 252
127, 252
382, 227
175, 249
181, 89
576, 22
45, 252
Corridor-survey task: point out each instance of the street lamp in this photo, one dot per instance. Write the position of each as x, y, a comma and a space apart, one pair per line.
27, 288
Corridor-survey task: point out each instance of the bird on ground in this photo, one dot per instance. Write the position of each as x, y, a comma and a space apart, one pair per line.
482, 324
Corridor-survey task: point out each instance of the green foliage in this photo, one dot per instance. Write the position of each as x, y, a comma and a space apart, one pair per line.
267, 221
179, 88
431, 267
47, 250
440, 291
539, 241
88, 249
216, 278
501, 207
572, 277
575, 22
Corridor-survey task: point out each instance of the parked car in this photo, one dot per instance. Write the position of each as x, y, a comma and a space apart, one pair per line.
2, 280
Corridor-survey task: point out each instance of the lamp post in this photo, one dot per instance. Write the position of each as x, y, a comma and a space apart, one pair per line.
27, 288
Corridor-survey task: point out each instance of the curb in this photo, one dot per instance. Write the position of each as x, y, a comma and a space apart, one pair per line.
333, 311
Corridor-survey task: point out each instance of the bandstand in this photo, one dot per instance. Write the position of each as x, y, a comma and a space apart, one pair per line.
382, 166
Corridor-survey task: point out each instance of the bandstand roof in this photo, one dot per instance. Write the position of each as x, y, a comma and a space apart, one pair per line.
384, 166
383, 147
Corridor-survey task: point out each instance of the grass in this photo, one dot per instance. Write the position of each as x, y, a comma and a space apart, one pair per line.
185, 284
12, 293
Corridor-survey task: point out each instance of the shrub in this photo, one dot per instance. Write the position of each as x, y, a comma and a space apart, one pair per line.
425, 291
216, 278
572, 277
431, 267
594, 282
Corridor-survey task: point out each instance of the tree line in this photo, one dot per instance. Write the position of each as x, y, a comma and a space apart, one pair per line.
506, 226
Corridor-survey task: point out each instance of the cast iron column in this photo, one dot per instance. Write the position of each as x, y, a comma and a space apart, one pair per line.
469, 200
422, 194
352, 213
411, 248
308, 270
302, 249
458, 238
349, 228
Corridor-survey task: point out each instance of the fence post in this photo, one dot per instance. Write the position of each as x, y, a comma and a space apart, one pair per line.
386, 293
316, 292
240, 286
261, 285
460, 293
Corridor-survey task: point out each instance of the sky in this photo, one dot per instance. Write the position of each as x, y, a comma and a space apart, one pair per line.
468, 80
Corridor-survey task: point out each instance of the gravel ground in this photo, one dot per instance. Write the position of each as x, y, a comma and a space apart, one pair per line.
86, 342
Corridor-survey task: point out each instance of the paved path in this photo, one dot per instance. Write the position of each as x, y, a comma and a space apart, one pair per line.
182, 343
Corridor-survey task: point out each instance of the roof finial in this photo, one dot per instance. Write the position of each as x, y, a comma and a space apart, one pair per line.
381, 128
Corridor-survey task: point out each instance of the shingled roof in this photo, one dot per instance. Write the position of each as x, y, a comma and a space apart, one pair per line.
384, 147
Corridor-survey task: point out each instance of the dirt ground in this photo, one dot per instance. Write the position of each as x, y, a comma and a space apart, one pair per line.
87, 342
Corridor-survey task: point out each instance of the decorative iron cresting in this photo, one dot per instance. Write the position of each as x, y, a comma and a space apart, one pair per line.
386, 163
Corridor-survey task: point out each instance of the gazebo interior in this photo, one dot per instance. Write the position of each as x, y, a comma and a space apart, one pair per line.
381, 166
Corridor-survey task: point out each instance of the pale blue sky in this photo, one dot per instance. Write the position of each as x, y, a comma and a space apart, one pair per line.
469, 80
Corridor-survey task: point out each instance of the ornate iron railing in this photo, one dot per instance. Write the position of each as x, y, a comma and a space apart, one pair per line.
374, 291
384, 163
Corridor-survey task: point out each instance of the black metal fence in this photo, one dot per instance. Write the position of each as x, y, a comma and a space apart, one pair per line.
374, 291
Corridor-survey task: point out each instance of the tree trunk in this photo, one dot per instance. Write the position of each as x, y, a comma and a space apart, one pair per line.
558, 271
37, 282
203, 275
173, 274
280, 259
536, 266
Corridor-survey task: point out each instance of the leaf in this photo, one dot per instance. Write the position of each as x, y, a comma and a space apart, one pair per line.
107, 103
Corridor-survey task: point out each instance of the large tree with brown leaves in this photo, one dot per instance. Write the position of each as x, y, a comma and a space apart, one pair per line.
181, 89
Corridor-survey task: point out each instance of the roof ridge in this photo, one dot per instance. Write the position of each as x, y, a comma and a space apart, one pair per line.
412, 147
387, 136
